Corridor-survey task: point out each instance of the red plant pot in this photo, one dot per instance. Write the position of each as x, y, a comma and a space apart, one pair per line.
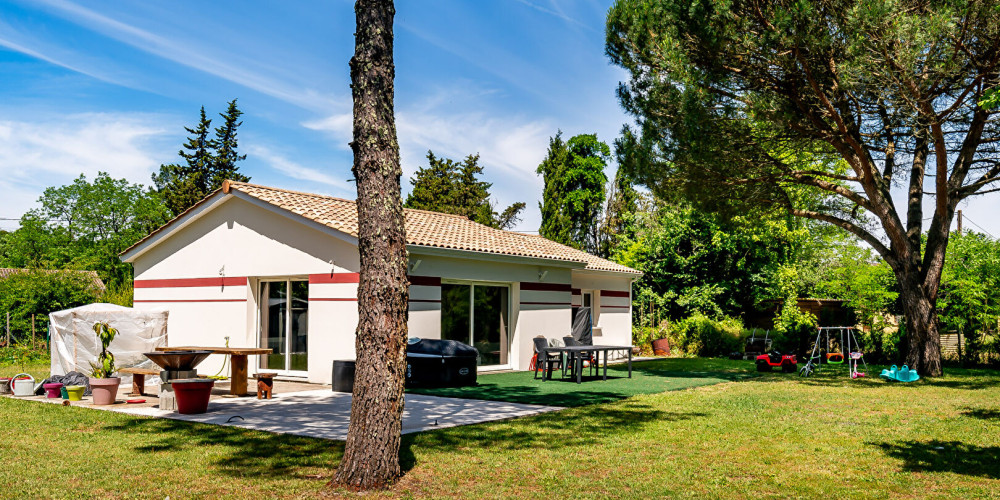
661, 347
192, 394
104, 390
53, 390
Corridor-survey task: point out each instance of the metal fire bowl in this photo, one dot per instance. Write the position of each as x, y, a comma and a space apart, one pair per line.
178, 360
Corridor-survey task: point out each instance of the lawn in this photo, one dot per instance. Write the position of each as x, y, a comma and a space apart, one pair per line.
772, 436
648, 377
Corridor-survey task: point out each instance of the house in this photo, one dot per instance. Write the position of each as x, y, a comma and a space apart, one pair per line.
259, 266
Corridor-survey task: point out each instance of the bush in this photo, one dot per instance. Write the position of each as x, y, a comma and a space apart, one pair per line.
699, 335
39, 293
643, 336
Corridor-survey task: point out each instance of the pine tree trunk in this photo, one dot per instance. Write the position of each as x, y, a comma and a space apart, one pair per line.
923, 340
371, 455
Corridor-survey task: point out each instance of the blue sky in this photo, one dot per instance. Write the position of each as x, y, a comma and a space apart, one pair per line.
87, 87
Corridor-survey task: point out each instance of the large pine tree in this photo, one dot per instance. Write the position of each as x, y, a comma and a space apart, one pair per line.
573, 196
454, 187
207, 162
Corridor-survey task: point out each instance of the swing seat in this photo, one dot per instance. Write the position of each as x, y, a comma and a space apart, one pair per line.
856, 355
835, 358
904, 374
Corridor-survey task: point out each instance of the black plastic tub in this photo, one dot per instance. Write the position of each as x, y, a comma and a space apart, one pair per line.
343, 375
440, 363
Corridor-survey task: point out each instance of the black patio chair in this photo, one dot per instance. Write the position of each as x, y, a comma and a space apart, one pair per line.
584, 356
548, 359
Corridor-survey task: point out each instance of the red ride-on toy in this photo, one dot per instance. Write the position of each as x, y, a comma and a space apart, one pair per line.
787, 362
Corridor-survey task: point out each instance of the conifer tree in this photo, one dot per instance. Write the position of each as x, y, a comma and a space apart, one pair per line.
226, 148
454, 187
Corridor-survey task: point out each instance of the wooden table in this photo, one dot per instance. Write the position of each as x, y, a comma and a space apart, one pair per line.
238, 362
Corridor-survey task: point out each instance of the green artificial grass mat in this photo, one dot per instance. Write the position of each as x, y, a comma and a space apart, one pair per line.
648, 377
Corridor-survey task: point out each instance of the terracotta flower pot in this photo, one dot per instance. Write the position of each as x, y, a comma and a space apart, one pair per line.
661, 347
104, 390
192, 394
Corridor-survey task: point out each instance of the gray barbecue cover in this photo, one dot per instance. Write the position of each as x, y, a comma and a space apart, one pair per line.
583, 326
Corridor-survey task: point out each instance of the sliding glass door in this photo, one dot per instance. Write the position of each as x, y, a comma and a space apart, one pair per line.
284, 325
477, 314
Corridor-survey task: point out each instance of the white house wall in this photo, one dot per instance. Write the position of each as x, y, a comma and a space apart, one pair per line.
208, 273
612, 305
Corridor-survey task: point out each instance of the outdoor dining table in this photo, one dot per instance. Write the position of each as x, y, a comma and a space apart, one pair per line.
585, 349
237, 362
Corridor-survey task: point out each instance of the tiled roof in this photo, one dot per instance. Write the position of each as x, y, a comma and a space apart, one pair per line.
6, 272
432, 229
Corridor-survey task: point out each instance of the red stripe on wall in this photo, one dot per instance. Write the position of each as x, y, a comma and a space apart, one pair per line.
425, 280
576, 291
331, 299
191, 282
614, 293
546, 287
193, 300
334, 278
546, 304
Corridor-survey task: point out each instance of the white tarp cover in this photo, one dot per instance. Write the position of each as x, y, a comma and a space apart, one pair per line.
74, 344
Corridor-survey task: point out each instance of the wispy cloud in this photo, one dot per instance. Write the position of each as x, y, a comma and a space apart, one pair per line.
250, 73
38, 153
295, 170
558, 12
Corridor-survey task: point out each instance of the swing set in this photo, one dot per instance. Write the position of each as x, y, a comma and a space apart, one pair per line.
823, 351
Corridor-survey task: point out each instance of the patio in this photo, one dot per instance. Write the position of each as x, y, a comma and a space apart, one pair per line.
316, 411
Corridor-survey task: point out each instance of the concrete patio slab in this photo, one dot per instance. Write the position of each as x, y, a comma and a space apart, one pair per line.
325, 414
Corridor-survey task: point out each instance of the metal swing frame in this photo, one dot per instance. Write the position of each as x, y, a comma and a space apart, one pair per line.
847, 341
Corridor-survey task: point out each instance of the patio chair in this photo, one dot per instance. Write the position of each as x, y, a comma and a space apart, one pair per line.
585, 356
548, 361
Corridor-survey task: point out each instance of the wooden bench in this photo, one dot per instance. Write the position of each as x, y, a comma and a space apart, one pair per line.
139, 379
265, 385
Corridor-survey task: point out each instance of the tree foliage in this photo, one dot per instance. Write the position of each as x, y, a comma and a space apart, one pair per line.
85, 225
573, 195
451, 187
207, 162
726, 94
38, 293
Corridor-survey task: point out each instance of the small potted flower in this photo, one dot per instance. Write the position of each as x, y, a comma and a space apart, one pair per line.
103, 385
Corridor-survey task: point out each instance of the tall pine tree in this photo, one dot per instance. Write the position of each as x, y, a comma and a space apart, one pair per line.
454, 187
227, 148
207, 162
573, 196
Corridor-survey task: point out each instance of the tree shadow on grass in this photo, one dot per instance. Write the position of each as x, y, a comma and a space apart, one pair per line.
577, 427
946, 456
982, 413
246, 452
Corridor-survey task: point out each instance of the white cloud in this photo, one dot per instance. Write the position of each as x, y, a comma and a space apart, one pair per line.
296, 170
52, 151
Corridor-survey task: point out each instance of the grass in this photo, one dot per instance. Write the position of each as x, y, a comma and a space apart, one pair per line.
648, 377
775, 436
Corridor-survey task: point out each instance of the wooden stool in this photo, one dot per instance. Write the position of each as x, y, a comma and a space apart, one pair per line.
138, 379
265, 385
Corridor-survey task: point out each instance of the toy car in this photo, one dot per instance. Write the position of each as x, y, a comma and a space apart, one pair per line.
787, 362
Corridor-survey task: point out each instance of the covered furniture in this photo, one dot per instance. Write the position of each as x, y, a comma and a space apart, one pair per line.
440, 363
74, 345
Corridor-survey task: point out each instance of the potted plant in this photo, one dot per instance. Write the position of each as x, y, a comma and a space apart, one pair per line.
103, 385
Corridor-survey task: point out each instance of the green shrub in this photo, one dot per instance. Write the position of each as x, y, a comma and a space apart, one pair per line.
643, 336
699, 335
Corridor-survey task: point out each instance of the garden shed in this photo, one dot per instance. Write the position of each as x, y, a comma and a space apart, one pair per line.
256, 266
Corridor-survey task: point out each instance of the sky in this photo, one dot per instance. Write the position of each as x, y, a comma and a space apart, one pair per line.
87, 87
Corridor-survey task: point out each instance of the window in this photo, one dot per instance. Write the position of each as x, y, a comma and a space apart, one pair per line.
284, 324
477, 314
